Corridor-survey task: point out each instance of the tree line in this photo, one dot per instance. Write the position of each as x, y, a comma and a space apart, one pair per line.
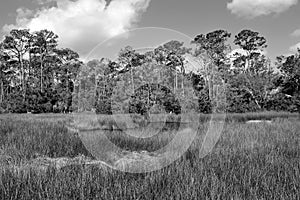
37, 76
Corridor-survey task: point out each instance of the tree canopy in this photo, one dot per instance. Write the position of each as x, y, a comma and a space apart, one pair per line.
38, 76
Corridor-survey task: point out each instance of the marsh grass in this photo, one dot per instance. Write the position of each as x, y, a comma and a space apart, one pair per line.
250, 161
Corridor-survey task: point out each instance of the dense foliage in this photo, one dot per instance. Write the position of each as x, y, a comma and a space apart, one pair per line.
37, 76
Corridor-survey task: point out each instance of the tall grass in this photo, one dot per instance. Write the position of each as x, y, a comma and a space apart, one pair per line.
250, 161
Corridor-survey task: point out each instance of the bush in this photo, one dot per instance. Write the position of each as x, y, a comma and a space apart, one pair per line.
2, 110
103, 106
204, 102
281, 102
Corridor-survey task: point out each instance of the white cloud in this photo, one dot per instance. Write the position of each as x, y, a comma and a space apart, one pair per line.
294, 48
254, 8
296, 33
44, 1
23, 15
235, 52
82, 24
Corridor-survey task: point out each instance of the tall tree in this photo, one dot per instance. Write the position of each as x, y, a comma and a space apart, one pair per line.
68, 66
45, 42
16, 44
251, 72
170, 58
252, 43
215, 44
213, 49
175, 59
289, 79
106, 77
289, 67
3, 67
129, 59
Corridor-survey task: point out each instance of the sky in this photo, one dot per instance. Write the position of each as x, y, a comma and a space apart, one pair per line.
82, 24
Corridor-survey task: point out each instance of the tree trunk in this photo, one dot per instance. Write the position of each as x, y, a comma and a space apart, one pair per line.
1, 91
148, 100
256, 102
41, 81
132, 81
159, 77
22, 76
30, 63
96, 89
79, 95
246, 65
182, 77
176, 79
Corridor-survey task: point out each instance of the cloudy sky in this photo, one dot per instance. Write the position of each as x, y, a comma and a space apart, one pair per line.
82, 24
